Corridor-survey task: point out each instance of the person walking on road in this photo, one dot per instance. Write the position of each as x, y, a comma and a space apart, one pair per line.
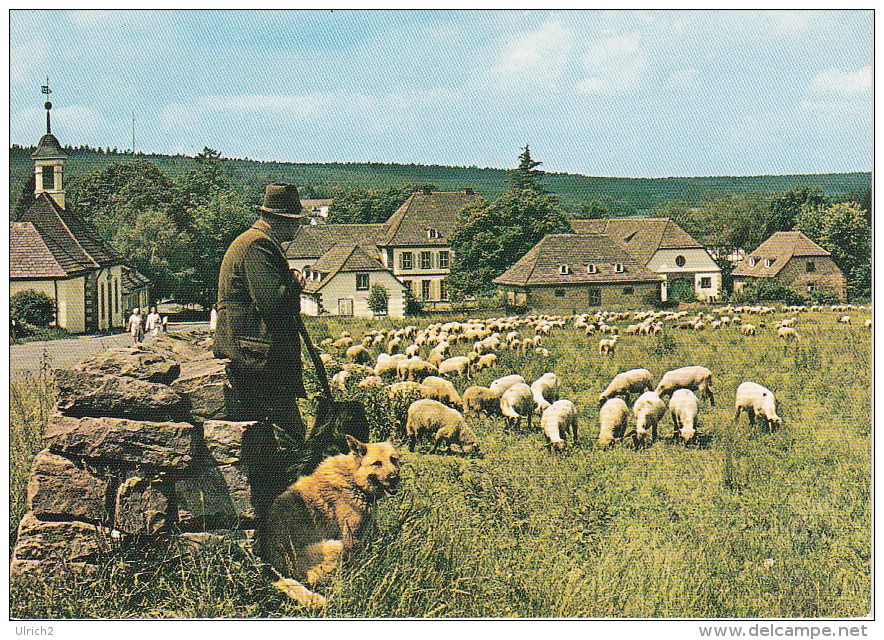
153, 322
136, 327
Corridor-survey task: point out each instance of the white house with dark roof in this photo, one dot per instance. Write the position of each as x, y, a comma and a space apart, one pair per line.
576, 272
662, 247
412, 246
53, 250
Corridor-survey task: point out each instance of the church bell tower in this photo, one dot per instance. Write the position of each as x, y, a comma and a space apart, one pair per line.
49, 161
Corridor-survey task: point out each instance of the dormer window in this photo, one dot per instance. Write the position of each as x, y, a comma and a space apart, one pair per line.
432, 234
591, 268
618, 267
753, 261
768, 262
563, 269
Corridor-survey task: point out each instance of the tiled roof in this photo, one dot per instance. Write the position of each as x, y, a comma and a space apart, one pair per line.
642, 237
33, 257
438, 210
779, 248
542, 264
316, 202
131, 281
344, 257
70, 232
312, 241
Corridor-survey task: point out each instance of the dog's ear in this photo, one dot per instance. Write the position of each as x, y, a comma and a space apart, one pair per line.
356, 447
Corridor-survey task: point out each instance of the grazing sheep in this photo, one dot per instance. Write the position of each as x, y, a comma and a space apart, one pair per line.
748, 329
415, 369
613, 417
445, 423
343, 343
436, 388
359, 354
788, 334
684, 407
695, 378
626, 383
542, 352
394, 345
478, 399
412, 350
608, 345
545, 391
485, 361
844, 319
648, 410
869, 323
386, 365
559, 420
371, 382
757, 401
516, 403
457, 365
502, 384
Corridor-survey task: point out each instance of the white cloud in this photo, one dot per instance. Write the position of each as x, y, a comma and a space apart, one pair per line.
842, 82
614, 65
537, 59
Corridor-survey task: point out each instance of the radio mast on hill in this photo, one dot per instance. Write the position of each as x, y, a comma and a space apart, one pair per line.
133, 133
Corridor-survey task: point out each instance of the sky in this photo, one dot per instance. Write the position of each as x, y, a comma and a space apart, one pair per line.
617, 93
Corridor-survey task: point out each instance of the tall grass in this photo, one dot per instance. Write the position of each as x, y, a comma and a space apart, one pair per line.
751, 525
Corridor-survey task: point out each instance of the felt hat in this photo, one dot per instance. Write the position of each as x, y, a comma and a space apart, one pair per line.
282, 200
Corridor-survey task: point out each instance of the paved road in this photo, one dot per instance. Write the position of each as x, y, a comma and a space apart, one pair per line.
63, 354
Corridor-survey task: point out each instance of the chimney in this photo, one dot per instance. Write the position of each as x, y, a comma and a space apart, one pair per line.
427, 191
468, 191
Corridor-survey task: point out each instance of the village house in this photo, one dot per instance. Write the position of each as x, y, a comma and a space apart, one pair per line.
55, 251
411, 248
575, 272
795, 261
663, 247
317, 209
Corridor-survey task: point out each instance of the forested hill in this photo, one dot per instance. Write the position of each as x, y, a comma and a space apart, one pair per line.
328, 180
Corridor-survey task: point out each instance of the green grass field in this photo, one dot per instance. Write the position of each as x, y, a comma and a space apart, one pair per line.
752, 525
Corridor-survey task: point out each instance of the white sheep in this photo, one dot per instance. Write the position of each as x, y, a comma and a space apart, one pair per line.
447, 424
684, 407
626, 383
695, 378
517, 402
648, 410
748, 329
477, 399
502, 384
608, 345
412, 350
844, 319
613, 417
436, 388
455, 366
415, 369
757, 401
343, 343
359, 354
558, 421
545, 391
788, 334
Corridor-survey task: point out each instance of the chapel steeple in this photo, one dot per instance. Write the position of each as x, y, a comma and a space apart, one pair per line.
49, 161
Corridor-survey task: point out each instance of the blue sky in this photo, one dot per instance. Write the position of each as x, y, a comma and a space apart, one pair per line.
627, 94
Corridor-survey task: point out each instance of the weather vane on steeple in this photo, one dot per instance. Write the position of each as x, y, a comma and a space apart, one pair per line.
45, 88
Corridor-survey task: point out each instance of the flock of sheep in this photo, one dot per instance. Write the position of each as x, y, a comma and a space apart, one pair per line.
437, 409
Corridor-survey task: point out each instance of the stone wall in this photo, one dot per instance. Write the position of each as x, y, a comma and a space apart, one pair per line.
139, 447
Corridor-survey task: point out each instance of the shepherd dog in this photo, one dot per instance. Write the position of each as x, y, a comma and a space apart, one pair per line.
321, 518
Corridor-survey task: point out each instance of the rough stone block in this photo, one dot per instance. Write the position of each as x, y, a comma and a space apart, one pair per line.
224, 440
202, 383
124, 443
57, 546
197, 541
142, 505
216, 496
59, 490
134, 362
92, 394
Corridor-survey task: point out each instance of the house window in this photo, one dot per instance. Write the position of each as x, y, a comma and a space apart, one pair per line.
753, 261
594, 297
679, 261
811, 287
432, 234
405, 261
768, 262
628, 291
443, 259
591, 268
443, 290
560, 293
618, 267
425, 289
810, 267
407, 285
426, 260
563, 269
362, 282
706, 283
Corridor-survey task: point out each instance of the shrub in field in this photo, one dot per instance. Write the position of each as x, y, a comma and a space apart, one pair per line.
32, 307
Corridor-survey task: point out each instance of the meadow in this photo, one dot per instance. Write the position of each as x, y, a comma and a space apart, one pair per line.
750, 525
